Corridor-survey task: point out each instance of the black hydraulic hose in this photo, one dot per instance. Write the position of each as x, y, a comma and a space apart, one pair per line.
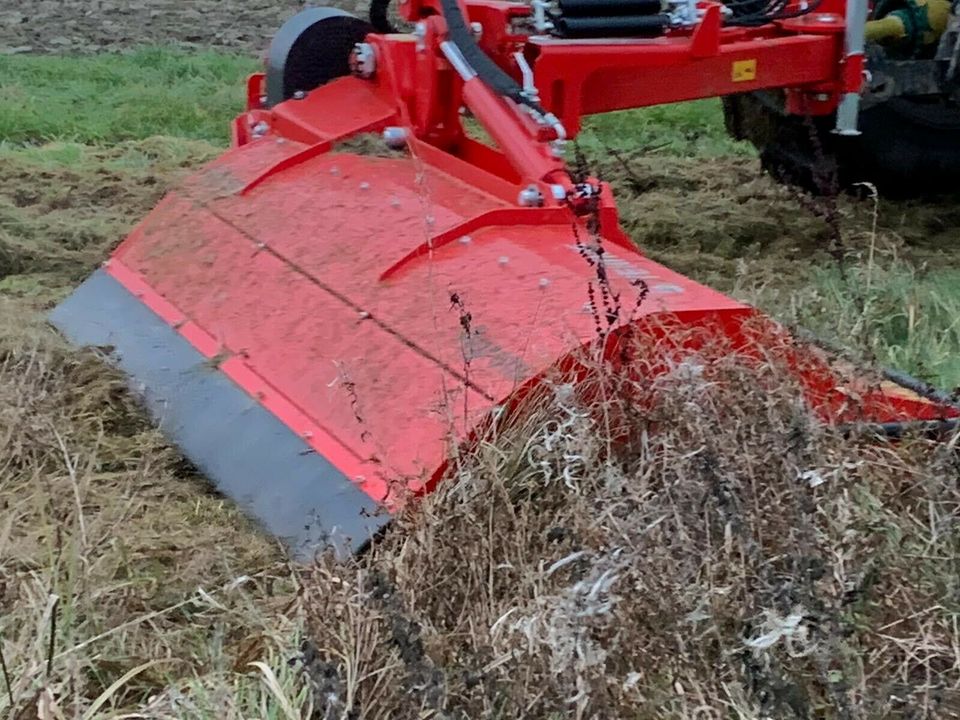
601, 27
486, 69
931, 429
378, 16
608, 8
776, 11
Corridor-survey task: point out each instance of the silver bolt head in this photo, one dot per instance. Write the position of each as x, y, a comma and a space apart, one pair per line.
299, 94
364, 60
395, 137
530, 197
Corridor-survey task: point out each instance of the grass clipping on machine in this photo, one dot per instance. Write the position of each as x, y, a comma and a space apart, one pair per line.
720, 554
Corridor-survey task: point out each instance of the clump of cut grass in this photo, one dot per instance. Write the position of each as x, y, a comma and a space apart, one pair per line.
115, 589
64, 206
695, 546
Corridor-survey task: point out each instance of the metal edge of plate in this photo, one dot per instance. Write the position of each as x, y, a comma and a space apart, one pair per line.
247, 453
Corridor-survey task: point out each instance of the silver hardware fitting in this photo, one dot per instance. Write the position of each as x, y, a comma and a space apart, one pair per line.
585, 190
553, 121
529, 86
395, 137
854, 39
457, 60
540, 22
420, 33
683, 13
260, 129
558, 192
364, 60
530, 196
477, 30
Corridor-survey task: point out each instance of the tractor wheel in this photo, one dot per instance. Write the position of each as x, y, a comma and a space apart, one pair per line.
908, 147
311, 49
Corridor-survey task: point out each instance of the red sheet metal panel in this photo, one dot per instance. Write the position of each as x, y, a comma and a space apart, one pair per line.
285, 281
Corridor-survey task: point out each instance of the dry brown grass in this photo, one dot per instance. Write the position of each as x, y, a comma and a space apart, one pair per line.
726, 557
114, 555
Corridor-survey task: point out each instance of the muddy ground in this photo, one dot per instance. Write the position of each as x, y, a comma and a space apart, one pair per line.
89, 26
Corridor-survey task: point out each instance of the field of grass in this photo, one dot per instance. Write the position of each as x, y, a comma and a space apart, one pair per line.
125, 587
107, 99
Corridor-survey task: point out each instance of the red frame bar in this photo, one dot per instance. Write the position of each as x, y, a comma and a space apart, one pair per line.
584, 79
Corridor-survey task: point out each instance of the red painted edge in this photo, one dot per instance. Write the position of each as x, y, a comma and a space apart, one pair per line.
362, 473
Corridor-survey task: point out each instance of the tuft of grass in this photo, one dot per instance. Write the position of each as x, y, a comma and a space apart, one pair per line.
897, 316
684, 129
112, 98
741, 560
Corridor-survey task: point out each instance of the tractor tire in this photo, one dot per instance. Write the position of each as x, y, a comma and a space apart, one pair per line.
312, 48
907, 147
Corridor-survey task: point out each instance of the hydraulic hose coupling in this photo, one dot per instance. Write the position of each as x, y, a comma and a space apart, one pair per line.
363, 60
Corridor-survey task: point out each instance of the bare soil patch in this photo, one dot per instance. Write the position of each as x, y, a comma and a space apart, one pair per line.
85, 26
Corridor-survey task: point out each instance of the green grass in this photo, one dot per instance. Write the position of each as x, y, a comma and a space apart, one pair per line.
687, 129
110, 98
896, 315
162, 91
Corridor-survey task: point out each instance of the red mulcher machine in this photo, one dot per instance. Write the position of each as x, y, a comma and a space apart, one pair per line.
286, 312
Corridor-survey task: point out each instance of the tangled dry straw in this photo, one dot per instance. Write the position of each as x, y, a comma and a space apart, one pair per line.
720, 555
